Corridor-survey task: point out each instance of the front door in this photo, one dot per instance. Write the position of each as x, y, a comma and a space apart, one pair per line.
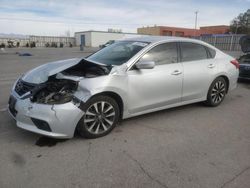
154, 88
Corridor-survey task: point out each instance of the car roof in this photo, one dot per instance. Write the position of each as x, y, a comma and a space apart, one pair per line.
156, 39
153, 39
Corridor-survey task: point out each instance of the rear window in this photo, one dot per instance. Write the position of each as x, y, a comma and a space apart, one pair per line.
192, 51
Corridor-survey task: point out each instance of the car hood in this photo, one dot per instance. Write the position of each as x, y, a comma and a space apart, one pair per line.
245, 44
40, 74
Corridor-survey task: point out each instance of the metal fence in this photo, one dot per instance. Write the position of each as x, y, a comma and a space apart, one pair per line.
22, 41
40, 41
223, 42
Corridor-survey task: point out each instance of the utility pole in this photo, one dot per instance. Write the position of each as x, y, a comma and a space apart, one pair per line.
195, 26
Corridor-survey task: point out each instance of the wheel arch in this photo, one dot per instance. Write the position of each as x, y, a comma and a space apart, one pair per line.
111, 94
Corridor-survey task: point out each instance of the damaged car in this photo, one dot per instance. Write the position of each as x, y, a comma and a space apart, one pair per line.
125, 79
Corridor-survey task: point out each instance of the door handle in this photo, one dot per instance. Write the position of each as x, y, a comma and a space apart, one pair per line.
211, 66
176, 72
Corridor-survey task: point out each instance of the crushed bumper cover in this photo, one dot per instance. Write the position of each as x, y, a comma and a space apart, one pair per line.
61, 118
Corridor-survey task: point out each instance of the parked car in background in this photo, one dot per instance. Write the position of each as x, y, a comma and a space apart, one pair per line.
244, 60
107, 44
125, 79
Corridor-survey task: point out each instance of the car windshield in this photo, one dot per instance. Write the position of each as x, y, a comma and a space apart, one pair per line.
118, 52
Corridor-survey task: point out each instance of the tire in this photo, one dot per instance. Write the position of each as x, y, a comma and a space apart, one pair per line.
217, 92
100, 117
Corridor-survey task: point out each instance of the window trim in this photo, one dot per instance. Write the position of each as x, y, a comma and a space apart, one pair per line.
205, 48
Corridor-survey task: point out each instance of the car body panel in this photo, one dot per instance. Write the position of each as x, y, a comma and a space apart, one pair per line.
144, 91
115, 83
197, 78
56, 115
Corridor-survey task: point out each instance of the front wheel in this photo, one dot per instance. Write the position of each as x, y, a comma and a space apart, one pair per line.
217, 92
100, 117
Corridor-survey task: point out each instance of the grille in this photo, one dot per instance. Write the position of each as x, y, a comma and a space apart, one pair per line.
23, 87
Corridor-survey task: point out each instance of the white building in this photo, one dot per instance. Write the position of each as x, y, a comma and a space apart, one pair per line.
96, 38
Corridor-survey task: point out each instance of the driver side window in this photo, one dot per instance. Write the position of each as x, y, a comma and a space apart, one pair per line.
162, 54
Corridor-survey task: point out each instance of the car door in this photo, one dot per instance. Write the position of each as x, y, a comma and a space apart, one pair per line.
149, 89
198, 68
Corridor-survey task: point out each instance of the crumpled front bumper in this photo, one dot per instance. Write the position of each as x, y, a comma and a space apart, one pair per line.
61, 118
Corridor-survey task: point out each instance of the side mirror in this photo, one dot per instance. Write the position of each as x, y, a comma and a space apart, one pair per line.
145, 65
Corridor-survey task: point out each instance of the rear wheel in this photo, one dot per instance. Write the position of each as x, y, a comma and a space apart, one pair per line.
100, 118
217, 92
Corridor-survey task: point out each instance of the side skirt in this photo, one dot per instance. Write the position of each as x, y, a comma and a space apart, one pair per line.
129, 115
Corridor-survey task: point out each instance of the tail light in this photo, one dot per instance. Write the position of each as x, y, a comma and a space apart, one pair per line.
235, 63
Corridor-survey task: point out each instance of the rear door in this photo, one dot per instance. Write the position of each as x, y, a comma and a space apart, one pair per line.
199, 69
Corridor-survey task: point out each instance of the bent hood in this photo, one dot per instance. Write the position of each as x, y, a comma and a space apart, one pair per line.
41, 73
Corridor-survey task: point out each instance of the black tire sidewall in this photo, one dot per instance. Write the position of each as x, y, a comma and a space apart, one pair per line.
82, 130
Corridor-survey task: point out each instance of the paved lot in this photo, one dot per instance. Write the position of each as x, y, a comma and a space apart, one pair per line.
191, 146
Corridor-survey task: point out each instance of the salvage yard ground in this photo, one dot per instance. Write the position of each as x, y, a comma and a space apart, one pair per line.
191, 146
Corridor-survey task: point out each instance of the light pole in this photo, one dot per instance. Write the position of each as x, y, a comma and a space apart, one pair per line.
196, 17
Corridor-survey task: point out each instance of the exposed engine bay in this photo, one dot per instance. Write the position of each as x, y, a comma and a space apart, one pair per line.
57, 90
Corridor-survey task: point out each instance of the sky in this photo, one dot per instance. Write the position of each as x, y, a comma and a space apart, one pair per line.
58, 17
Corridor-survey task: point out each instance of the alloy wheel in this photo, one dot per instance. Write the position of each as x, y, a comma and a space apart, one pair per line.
99, 117
218, 92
